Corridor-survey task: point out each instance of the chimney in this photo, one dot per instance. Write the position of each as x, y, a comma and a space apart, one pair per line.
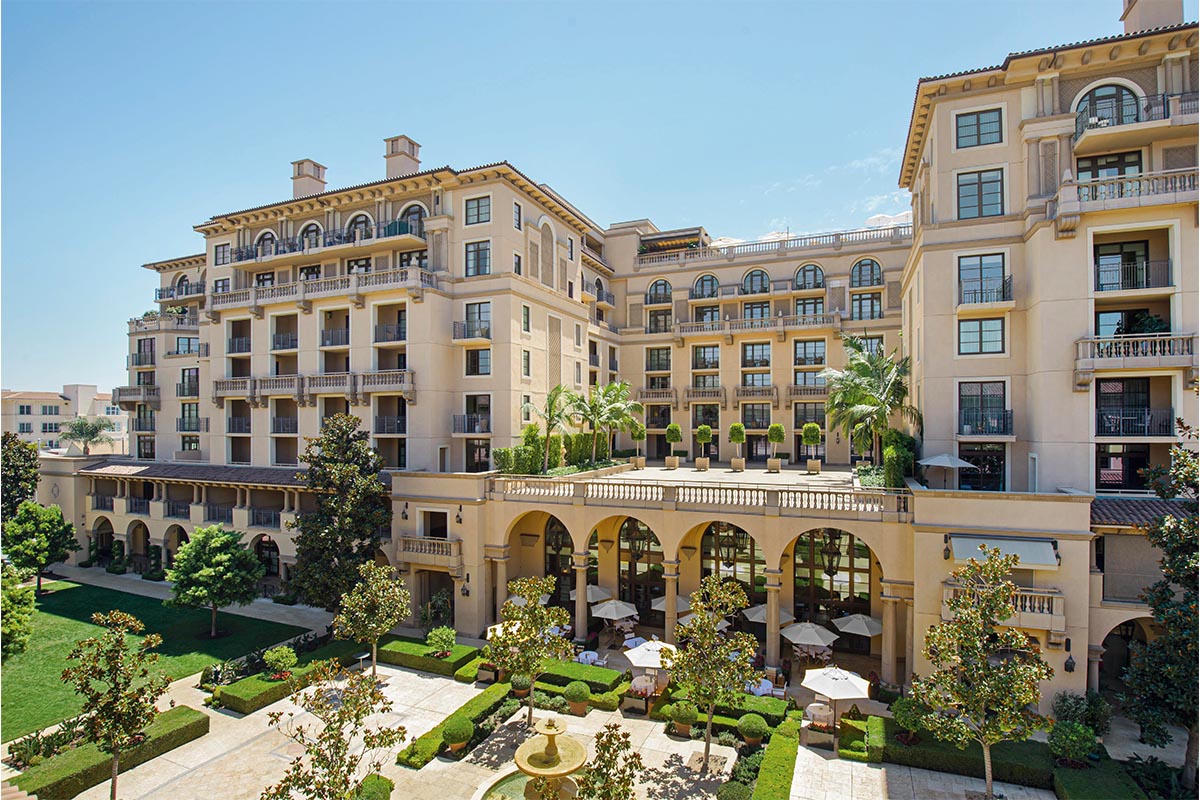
403, 156
308, 177
1142, 15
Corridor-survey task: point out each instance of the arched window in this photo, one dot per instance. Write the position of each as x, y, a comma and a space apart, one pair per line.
599, 287
756, 282
268, 553
730, 552
360, 227
866, 273
705, 286
266, 244
659, 292
1107, 105
640, 579
810, 276
414, 217
558, 562
310, 235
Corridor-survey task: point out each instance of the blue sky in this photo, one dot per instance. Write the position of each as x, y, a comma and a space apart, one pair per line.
125, 124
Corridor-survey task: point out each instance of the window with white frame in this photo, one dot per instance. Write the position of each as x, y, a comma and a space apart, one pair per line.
978, 127
525, 319
979, 336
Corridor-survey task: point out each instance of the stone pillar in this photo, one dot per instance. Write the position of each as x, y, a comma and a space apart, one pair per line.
1033, 169
196, 493
456, 597
501, 584
1093, 676
887, 670
671, 576
579, 561
910, 635
773, 587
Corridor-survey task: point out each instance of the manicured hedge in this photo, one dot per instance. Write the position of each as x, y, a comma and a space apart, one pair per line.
259, 691
779, 763
772, 709
65, 775
1027, 763
374, 787
1102, 780
598, 679
852, 740
402, 651
425, 748
469, 672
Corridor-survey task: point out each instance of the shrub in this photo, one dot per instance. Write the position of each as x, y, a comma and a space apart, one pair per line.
854, 713
778, 763
606, 701
441, 641
598, 679
504, 459
457, 730
468, 672
745, 769
871, 477
752, 726
704, 434
1157, 778
521, 683
405, 651
733, 790
724, 738
426, 747
893, 468
1027, 763
1071, 740
249, 694
286, 599
776, 436
685, 713
674, 433
374, 787
577, 692
154, 575
550, 702
280, 660
1091, 710
908, 713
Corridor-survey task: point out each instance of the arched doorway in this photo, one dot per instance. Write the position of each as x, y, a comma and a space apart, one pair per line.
268, 553
102, 536
557, 545
640, 569
176, 538
1118, 647
729, 551
139, 546
831, 573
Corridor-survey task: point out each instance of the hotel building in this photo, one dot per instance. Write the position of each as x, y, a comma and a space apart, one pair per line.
38, 417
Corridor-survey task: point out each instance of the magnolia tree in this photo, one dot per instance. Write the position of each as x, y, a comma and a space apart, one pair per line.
986, 677
19, 477
119, 684
38, 536
712, 667
341, 749
613, 771
373, 607
214, 569
523, 643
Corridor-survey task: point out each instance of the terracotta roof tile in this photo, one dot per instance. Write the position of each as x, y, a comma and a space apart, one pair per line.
1133, 511
203, 473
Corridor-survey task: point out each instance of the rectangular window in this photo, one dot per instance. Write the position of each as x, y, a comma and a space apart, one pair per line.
222, 254
145, 447
264, 279
809, 353
1126, 265
756, 415
873, 344
809, 378
706, 414
706, 356
866, 306
658, 359
479, 362
526, 369
310, 273
479, 258
479, 320
981, 279
756, 379
756, 355
1119, 466
526, 402
49, 411
479, 454
658, 381
981, 408
187, 345
578, 335
479, 209
977, 336
112, 411
710, 381
526, 324
189, 442
809, 412
578, 372
988, 458
980, 194
756, 310
415, 258
658, 321
1117, 323
570, 249
25, 411
517, 216
358, 266
658, 416
978, 127
707, 314
810, 307
516, 264
221, 286
50, 427
24, 427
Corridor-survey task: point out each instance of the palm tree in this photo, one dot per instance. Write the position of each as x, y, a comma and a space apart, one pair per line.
556, 413
88, 432
619, 410
591, 409
868, 392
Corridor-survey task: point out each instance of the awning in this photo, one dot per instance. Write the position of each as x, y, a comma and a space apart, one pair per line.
1033, 553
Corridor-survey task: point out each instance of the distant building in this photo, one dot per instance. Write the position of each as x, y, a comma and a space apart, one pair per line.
38, 417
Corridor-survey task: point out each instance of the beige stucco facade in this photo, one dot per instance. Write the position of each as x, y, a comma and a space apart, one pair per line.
37, 417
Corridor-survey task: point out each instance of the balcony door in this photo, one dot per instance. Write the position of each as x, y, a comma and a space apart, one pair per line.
981, 406
1121, 265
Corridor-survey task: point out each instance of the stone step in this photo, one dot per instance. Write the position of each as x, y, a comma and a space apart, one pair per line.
10, 792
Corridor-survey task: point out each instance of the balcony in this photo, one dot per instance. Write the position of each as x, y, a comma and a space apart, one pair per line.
330, 383
187, 389
1115, 124
612, 365
393, 380
180, 291
335, 337
301, 293
704, 293
804, 390
128, 397
391, 425
709, 393
472, 424
164, 322
102, 502
985, 422
706, 363
391, 332
142, 424
780, 323
986, 291
238, 344
237, 425
658, 298
1132, 275
657, 395
236, 388
285, 425
757, 393
140, 360
1139, 422
473, 330
197, 350
594, 360
1136, 351
781, 247
605, 298
432, 552
214, 512
1134, 191
345, 238
809, 361
279, 386
1038, 609
137, 505
285, 341
177, 509
264, 518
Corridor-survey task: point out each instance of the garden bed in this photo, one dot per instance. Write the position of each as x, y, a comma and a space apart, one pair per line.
1027, 763
426, 747
598, 679
402, 651
259, 691
779, 763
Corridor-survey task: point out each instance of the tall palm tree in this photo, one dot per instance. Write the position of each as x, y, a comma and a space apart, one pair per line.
555, 413
591, 409
619, 410
87, 432
868, 392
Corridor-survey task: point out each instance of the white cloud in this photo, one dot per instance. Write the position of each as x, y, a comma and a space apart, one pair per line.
887, 220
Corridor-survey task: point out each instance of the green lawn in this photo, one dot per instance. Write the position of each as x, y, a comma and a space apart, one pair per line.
34, 695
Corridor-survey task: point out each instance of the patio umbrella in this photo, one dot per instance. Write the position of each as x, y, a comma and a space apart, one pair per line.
681, 603
499, 627
947, 462
809, 634
649, 654
836, 684
595, 594
859, 625
686, 618
758, 613
614, 609
517, 600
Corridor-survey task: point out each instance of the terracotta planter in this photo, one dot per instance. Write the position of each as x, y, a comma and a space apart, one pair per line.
456, 747
702, 464
521, 692
774, 464
737, 464
639, 462
814, 466
672, 462
682, 730
757, 740
578, 709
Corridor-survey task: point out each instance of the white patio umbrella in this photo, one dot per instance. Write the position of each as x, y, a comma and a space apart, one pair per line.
859, 625
517, 600
947, 462
681, 603
758, 613
500, 627
649, 654
595, 594
614, 609
686, 618
836, 684
809, 634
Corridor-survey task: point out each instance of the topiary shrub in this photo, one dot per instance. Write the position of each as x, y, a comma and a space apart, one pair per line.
577, 692
521, 683
457, 730
280, 661
1071, 741
374, 787
752, 726
733, 791
684, 713
441, 641
908, 714
893, 468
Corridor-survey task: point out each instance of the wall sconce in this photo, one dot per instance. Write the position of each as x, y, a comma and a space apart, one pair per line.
607, 544
404, 512
465, 591
1069, 664
458, 516
1057, 555
837, 437
946, 549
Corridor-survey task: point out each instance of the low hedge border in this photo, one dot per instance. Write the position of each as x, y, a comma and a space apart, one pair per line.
1103, 780
469, 672
598, 679
852, 740
772, 709
1027, 763
75, 771
258, 691
779, 763
403, 651
426, 747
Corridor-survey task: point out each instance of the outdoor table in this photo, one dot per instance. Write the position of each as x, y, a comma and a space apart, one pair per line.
361, 658
762, 688
588, 657
642, 684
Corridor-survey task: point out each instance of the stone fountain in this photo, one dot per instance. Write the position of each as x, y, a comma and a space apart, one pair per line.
546, 756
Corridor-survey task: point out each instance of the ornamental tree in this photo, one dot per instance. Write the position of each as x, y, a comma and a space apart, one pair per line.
776, 436
119, 684
353, 508
523, 643
19, 477
341, 749
372, 608
614, 770
17, 606
737, 435
214, 569
38, 536
637, 432
1161, 680
986, 677
712, 667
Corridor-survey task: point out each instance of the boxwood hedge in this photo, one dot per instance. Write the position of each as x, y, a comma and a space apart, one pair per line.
598, 679
259, 691
1027, 763
402, 651
779, 763
1102, 780
425, 748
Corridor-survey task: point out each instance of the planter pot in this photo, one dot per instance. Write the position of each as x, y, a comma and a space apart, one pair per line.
752, 741
811, 738
639, 462
579, 709
702, 464
456, 747
682, 730
672, 462
737, 464
774, 464
521, 692
814, 466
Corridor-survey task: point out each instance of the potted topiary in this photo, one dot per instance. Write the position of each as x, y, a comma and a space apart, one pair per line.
737, 435
683, 716
674, 436
637, 432
775, 436
810, 437
280, 660
457, 731
521, 684
577, 695
440, 641
703, 437
753, 728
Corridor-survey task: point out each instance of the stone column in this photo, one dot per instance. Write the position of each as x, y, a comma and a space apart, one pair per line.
501, 584
671, 576
910, 634
579, 561
773, 587
1093, 676
196, 491
888, 656
1033, 169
